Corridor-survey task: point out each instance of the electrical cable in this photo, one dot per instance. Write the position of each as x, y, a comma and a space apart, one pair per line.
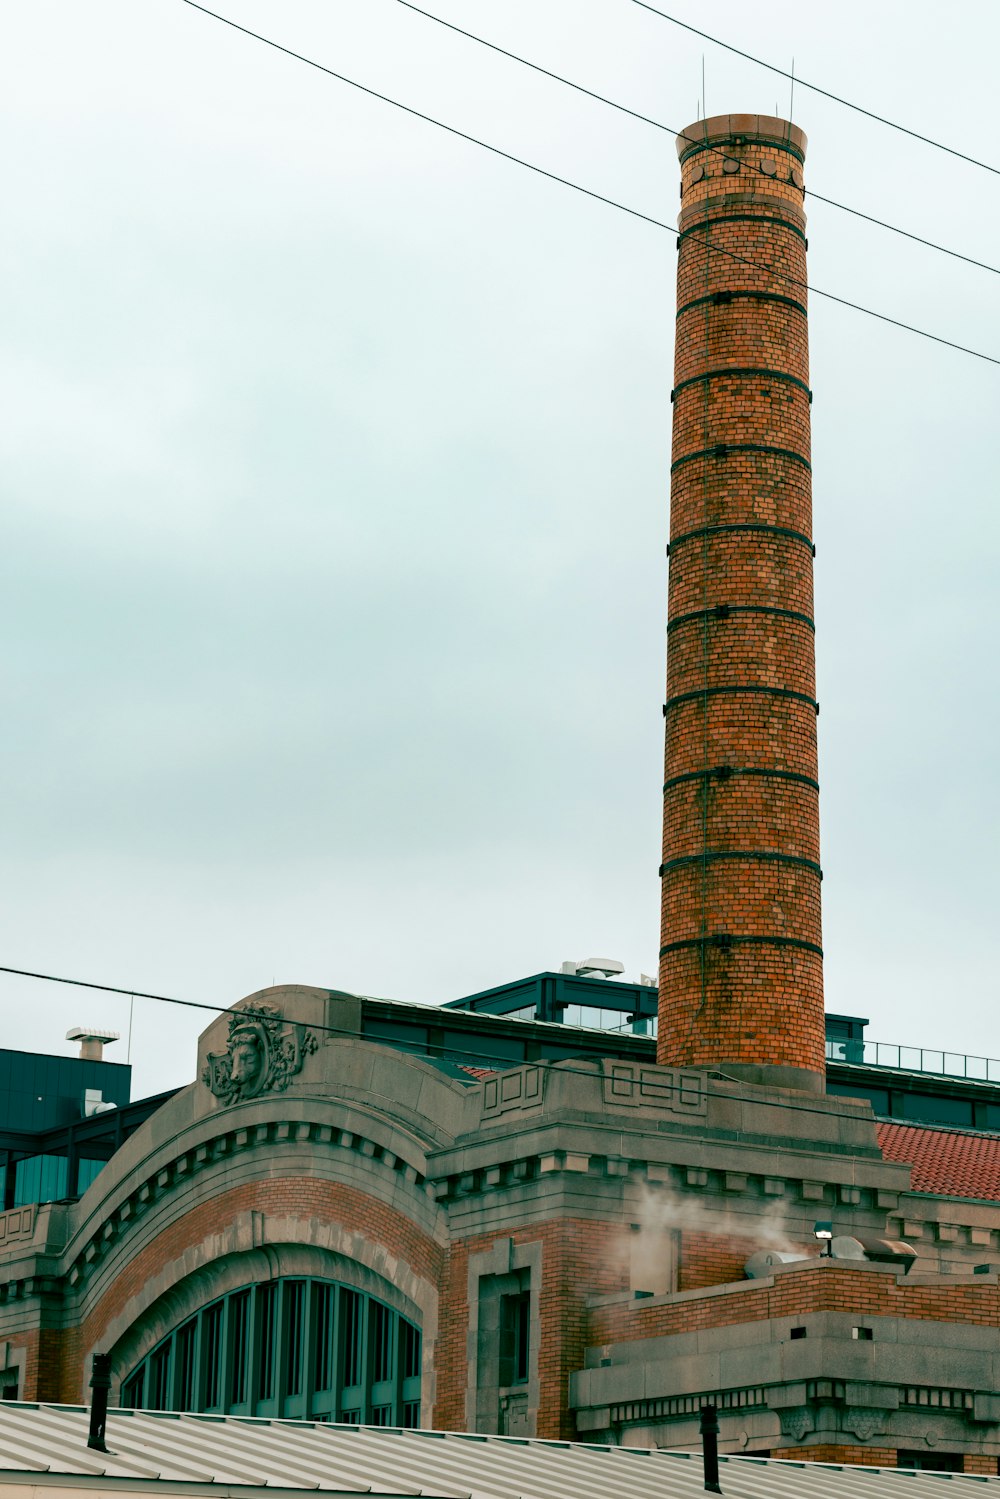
635, 213
589, 192
815, 89
682, 135
438, 1051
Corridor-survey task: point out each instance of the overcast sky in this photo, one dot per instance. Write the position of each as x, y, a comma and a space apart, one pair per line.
335, 470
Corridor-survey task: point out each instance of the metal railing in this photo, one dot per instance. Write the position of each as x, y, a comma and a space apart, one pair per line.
914, 1059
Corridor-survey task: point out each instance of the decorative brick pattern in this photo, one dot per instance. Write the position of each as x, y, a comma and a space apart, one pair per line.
741, 960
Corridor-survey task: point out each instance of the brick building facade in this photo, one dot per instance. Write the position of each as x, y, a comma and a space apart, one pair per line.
351, 1214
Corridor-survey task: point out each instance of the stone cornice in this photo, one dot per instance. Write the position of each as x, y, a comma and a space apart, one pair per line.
173, 1172
506, 1168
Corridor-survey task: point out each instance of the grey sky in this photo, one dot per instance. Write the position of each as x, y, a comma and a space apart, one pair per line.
335, 460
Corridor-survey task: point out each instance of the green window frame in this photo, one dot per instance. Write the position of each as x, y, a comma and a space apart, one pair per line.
298, 1347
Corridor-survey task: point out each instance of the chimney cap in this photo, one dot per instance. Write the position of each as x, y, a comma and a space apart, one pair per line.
91, 1033
759, 129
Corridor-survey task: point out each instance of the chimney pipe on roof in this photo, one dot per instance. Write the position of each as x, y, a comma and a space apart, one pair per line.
710, 1448
100, 1383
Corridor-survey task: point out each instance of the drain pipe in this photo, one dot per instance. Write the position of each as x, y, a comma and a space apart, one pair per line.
710, 1448
100, 1383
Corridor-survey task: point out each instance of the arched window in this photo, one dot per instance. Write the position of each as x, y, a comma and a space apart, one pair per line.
311, 1349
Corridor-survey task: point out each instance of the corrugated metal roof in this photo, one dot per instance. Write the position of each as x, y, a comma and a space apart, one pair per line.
46, 1445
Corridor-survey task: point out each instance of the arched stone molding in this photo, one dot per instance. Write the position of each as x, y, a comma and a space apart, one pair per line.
284, 1136
404, 1093
257, 1247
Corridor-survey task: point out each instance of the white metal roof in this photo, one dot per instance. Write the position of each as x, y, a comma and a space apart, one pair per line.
44, 1448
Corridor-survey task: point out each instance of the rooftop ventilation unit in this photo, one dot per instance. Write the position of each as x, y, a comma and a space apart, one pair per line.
842, 1247
889, 1252
595, 967
92, 1041
94, 1103
760, 1265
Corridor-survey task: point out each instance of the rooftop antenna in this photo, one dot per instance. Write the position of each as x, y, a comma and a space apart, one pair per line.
704, 102
791, 94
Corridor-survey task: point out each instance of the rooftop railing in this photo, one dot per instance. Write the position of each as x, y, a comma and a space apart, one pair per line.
914, 1059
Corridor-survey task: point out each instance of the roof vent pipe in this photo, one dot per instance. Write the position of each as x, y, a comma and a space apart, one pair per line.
710, 1448
762, 1263
92, 1041
100, 1383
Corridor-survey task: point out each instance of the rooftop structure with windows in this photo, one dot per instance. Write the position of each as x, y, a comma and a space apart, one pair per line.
62, 1118
920, 1084
83, 1114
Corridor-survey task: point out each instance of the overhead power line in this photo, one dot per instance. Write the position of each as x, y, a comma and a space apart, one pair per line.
586, 191
815, 89
345, 1033
589, 192
682, 135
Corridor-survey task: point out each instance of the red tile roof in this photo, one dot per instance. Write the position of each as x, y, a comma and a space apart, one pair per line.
479, 1073
952, 1162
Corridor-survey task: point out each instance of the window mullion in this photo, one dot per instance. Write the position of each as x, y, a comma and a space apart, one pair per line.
280, 1333
367, 1358
310, 1300
255, 1341
226, 1355
197, 1370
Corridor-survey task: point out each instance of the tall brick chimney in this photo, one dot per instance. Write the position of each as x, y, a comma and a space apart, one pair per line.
741, 979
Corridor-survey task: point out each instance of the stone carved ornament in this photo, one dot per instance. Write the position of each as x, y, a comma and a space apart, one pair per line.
864, 1422
262, 1055
796, 1422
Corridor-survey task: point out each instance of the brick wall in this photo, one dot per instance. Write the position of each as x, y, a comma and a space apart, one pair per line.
61, 1376
741, 961
878, 1457
579, 1259
712, 1259
822, 1289
857, 1457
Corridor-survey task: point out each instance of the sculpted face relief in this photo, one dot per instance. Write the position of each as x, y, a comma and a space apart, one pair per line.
262, 1055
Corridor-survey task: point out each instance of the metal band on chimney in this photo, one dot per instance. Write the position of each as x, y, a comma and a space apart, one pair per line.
723, 611
741, 218
739, 373
724, 299
697, 147
723, 773
766, 856
740, 605
740, 528
723, 941
706, 692
723, 450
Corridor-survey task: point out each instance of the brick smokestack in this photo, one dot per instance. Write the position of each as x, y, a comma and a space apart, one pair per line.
741, 979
